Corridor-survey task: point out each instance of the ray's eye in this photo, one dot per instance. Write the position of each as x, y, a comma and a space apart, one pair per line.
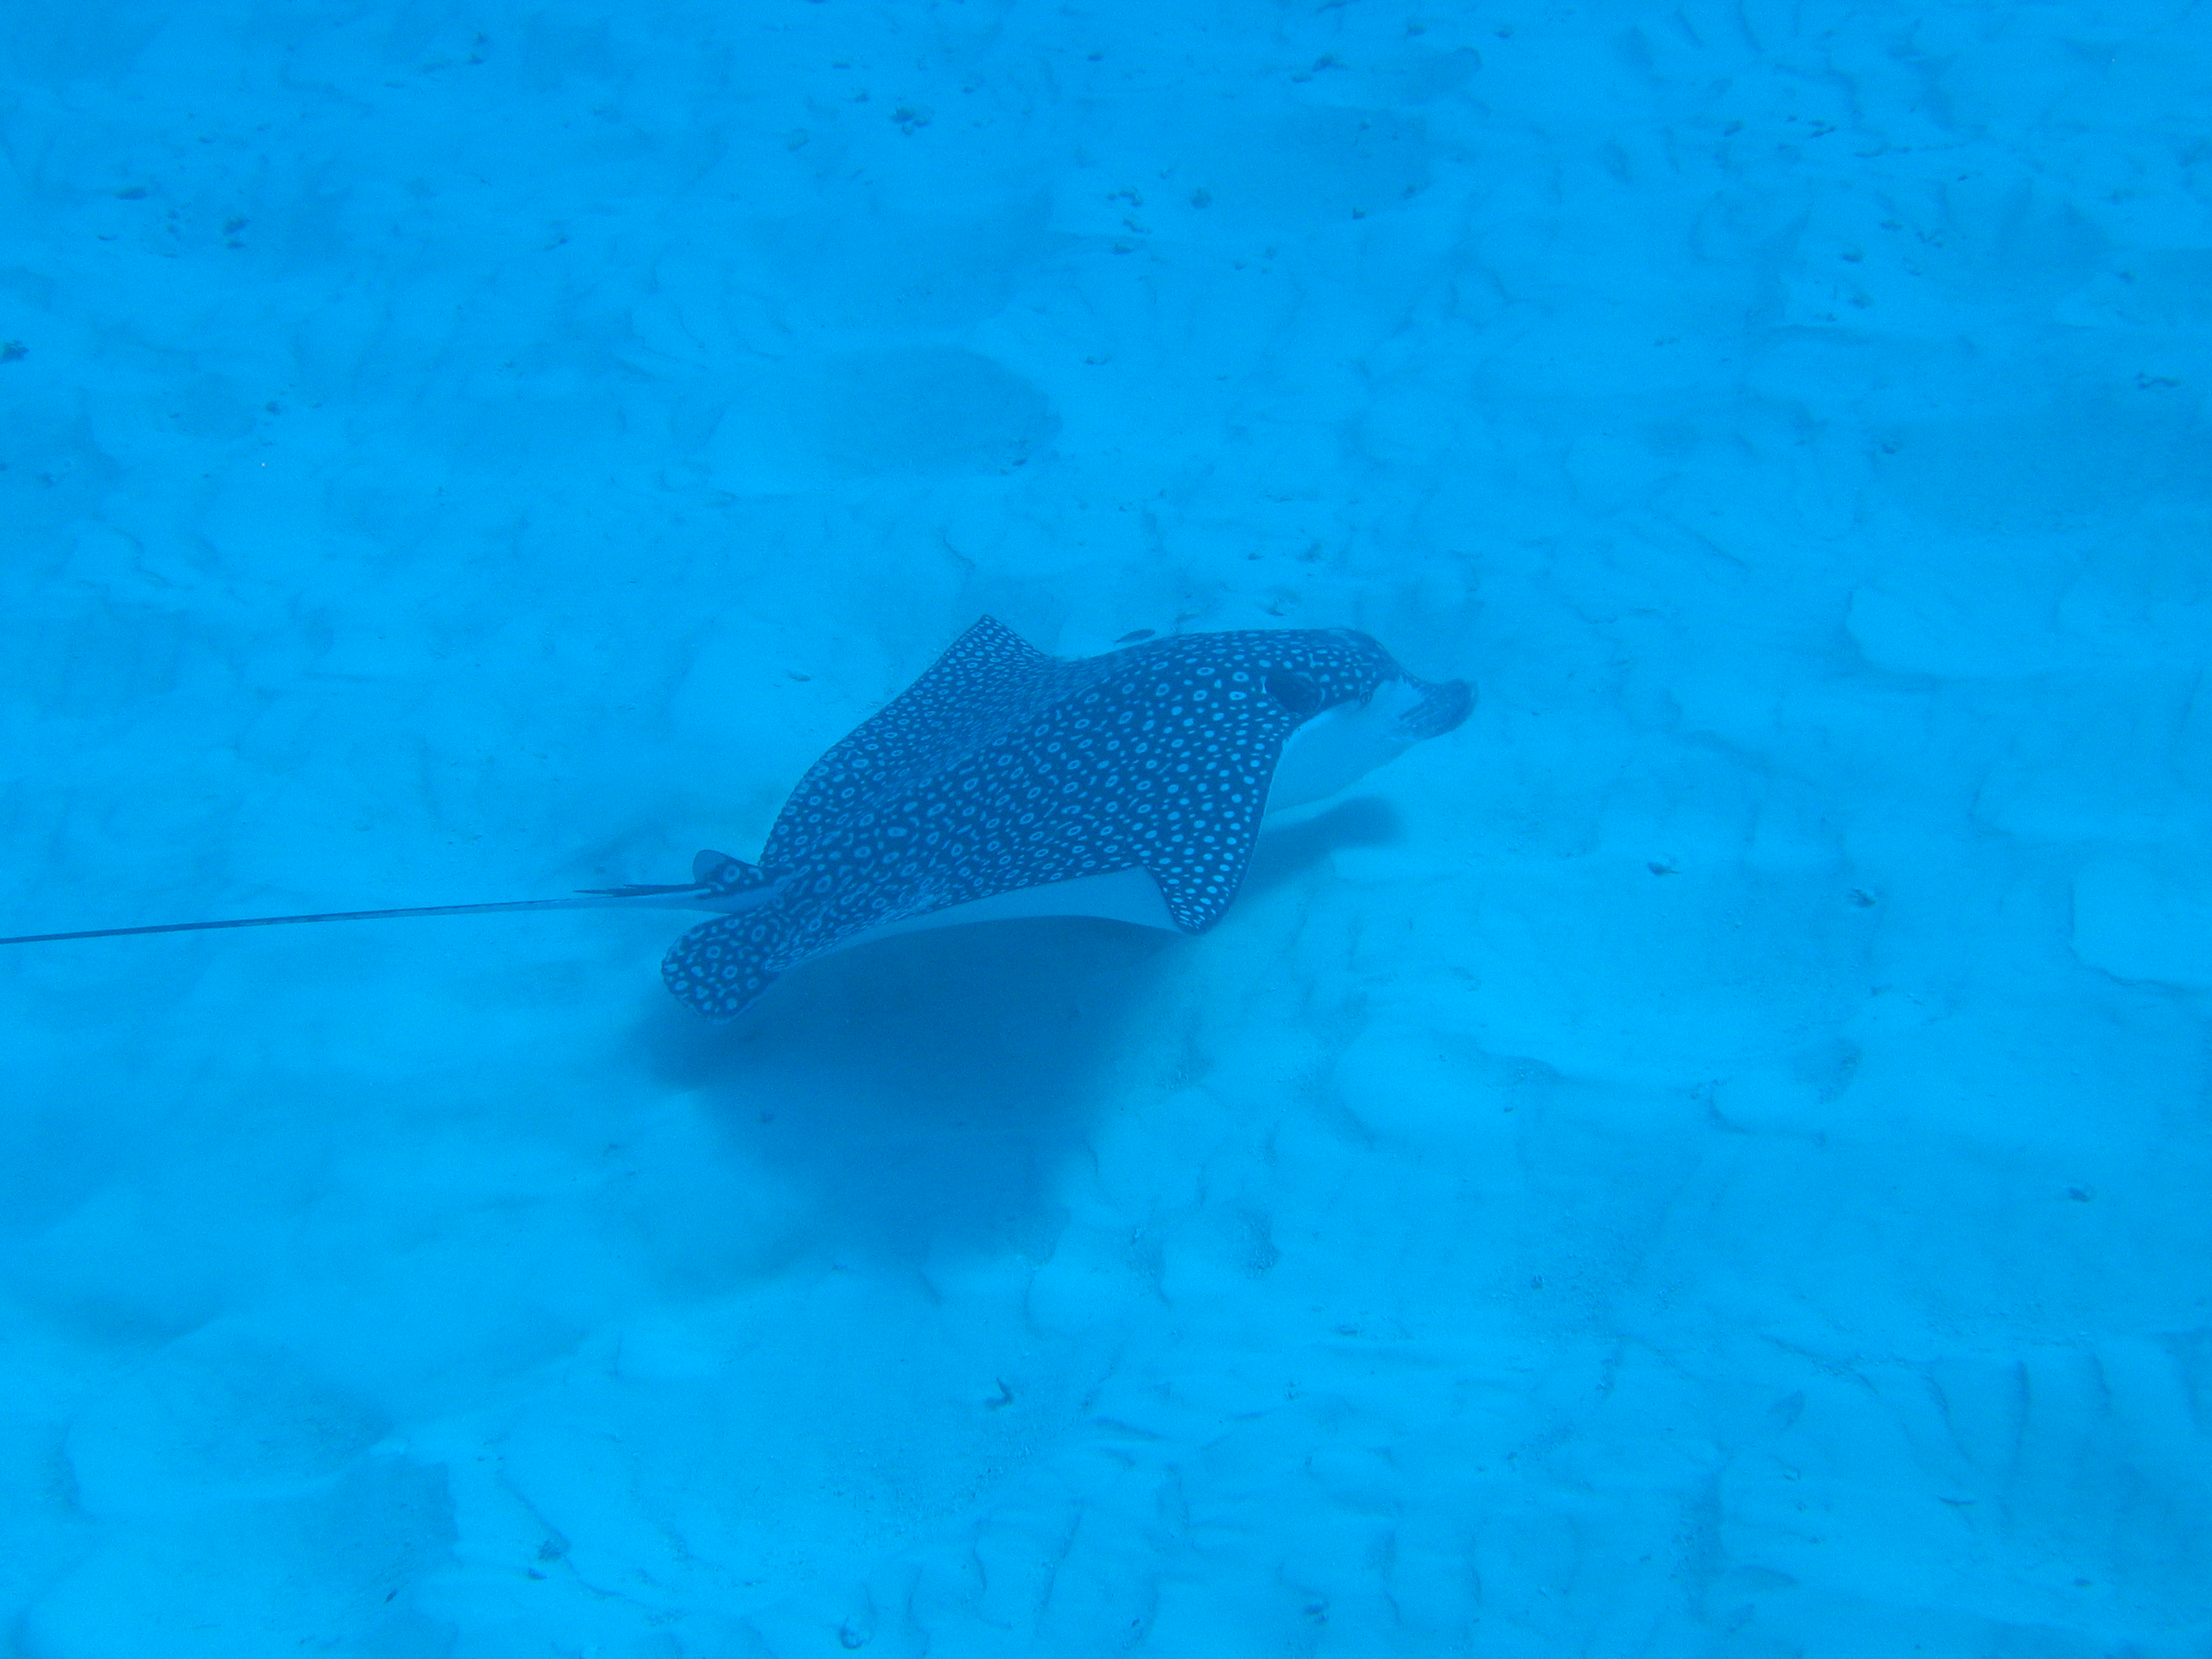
1297, 694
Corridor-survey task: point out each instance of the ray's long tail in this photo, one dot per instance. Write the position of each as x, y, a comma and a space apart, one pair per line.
580, 903
718, 881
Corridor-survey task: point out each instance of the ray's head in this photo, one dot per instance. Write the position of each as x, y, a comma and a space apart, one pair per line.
1355, 709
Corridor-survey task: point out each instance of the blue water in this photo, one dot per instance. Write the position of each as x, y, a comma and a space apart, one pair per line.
1709, 1158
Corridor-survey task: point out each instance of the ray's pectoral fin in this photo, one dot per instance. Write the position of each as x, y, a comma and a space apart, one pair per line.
1199, 888
720, 967
1196, 900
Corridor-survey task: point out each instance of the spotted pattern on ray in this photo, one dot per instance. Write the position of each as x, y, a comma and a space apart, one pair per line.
1002, 768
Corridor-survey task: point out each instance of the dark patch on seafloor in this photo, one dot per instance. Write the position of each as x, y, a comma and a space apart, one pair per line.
925, 1088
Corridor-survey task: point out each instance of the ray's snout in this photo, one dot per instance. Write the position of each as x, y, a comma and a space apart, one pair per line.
1442, 705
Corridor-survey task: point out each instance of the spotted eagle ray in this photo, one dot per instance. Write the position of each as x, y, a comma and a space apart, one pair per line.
1006, 782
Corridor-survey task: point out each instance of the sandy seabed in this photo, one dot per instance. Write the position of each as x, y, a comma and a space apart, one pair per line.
1708, 1159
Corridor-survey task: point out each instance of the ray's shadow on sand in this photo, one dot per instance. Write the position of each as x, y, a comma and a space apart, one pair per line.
922, 1090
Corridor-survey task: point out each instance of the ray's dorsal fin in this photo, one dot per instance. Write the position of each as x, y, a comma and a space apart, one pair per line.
718, 881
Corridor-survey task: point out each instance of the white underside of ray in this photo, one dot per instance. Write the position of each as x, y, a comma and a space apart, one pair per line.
1130, 896
1327, 755
1338, 746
